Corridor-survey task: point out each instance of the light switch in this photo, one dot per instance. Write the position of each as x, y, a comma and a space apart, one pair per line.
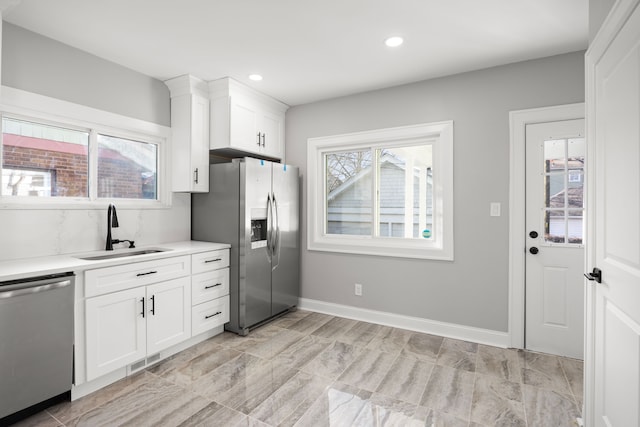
494, 209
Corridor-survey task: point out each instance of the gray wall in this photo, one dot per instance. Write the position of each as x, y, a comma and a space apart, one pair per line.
473, 289
598, 11
39, 64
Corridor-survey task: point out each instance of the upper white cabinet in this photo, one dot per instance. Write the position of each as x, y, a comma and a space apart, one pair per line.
245, 121
189, 134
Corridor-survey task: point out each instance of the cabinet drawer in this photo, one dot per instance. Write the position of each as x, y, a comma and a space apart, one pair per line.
210, 314
209, 285
209, 261
110, 279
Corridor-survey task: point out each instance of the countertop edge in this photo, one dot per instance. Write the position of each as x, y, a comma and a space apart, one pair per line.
41, 266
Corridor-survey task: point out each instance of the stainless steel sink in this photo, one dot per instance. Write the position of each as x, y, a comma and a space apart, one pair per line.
121, 254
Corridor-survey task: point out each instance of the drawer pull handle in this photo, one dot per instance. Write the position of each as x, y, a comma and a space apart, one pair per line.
213, 286
145, 274
212, 260
212, 315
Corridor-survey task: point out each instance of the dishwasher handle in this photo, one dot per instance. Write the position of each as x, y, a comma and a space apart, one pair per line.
11, 291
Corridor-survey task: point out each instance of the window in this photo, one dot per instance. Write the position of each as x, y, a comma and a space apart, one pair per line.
383, 192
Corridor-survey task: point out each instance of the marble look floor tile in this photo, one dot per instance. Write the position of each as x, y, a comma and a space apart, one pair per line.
338, 406
422, 347
360, 334
368, 370
290, 318
332, 362
156, 402
262, 335
574, 371
228, 375
449, 390
453, 344
248, 393
499, 362
334, 327
214, 414
549, 408
302, 390
406, 380
427, 417
41, 419
390, 340
310, 323
458, 359
543, 370
66, 411
303, 351
384, 411
497, 402
185, 373
281, 340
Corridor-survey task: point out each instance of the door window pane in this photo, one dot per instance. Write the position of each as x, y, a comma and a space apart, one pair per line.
348, 192
564, 190
405, 192
126, 168
40, 160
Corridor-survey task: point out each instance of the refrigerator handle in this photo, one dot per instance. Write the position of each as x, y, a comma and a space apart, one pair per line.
276, 240
269, 225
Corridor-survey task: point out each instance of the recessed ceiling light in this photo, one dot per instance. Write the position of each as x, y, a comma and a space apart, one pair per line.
394, 41
255, 77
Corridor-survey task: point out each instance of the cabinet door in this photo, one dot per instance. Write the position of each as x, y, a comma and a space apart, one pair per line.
200, 144
243, 134
272, 126
168, 314
115, 331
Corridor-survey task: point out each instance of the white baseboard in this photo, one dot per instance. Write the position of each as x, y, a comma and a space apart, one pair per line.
418, 324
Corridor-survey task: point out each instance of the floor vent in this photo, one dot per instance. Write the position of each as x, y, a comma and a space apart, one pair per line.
136, 366
153, 358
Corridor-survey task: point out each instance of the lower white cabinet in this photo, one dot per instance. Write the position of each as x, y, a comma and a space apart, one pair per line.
126, 326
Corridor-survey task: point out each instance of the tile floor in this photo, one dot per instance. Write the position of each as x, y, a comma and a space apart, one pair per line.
311, 369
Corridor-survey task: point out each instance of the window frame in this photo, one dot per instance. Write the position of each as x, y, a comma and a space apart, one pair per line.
439, 247
21, 105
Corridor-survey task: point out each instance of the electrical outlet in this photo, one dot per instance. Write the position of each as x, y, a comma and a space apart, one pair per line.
358, 289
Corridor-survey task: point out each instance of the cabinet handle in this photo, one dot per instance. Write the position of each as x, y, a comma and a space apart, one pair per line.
195, 175
153, 305
263, 138
212, 315
212, 260
142, 301
258, 139
213, 286
145, 274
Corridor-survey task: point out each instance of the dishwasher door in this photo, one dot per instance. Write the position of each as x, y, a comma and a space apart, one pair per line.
36, 341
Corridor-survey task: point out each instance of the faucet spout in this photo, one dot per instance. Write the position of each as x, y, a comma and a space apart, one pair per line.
112, 222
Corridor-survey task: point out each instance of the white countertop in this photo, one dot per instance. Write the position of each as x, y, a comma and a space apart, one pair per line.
29, 267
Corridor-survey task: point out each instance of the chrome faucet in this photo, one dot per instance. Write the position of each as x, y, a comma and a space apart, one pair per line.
112, 221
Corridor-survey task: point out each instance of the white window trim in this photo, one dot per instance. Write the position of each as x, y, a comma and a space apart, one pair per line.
25, 105
439, 247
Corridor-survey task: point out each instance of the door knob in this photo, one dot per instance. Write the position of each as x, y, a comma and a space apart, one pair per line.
533, 250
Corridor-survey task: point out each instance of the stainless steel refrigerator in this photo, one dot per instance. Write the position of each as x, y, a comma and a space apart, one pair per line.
253, 205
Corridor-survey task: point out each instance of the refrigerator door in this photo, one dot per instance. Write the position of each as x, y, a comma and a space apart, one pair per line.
285, 280
255, 258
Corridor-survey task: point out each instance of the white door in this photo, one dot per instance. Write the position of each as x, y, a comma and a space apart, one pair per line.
168, 314
554, 289
613, 320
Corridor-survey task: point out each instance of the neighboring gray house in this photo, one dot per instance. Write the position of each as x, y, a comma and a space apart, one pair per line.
349, 209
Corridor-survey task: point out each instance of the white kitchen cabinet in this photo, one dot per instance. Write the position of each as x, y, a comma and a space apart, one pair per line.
126, 326
245, 121
115, 331
189, 134
210, 290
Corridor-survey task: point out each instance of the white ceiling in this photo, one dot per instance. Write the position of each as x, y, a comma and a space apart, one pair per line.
310, 50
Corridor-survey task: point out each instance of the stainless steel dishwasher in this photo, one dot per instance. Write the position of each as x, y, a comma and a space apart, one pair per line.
36, 343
